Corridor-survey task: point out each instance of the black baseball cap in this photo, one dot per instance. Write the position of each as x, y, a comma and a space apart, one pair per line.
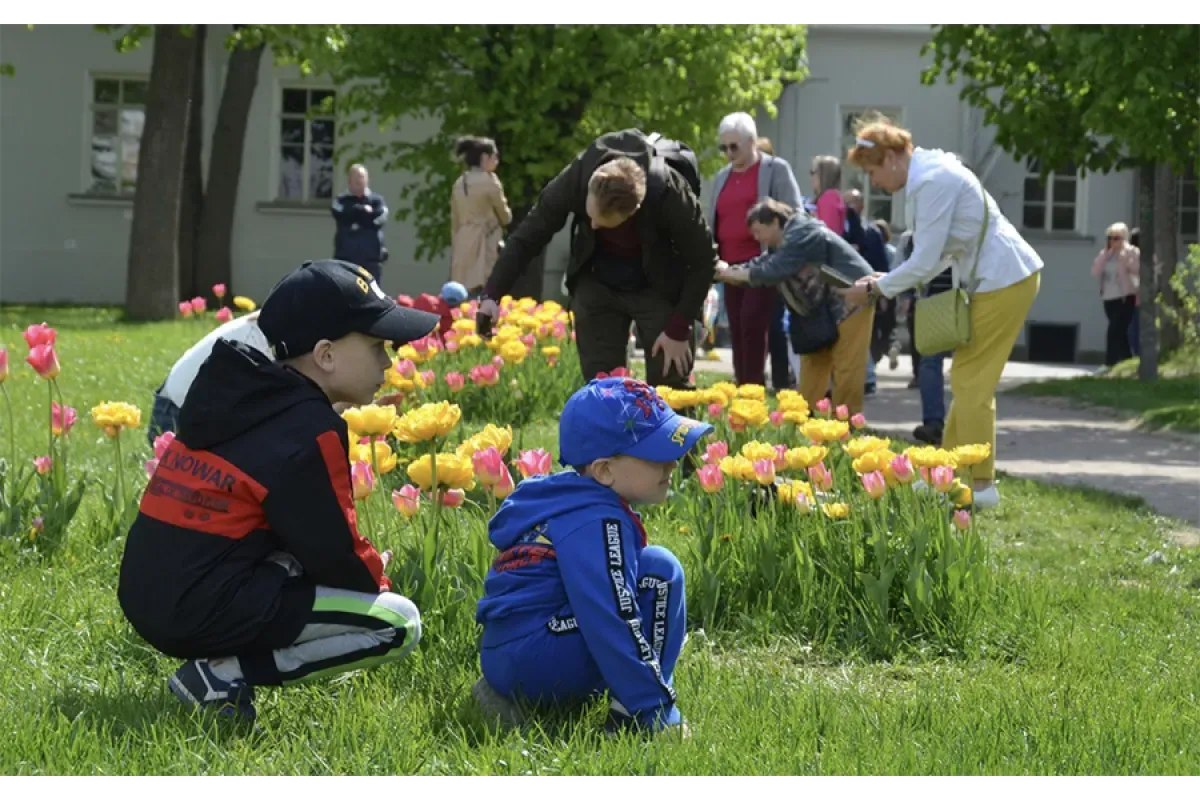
329, 299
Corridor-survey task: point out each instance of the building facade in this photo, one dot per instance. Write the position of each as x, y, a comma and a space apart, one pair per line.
70, 129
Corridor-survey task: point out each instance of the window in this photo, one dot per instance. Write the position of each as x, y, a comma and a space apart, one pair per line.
1052, 204
1189, 210
116, 115
306, 137
877, 203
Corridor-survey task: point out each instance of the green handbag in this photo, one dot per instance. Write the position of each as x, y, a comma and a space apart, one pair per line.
943, 321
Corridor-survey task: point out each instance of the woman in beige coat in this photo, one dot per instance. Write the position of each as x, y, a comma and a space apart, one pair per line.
478, 214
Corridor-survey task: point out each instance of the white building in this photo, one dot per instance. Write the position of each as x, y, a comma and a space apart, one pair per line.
70, 126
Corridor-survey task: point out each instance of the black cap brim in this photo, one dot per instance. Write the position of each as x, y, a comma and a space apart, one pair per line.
401, 325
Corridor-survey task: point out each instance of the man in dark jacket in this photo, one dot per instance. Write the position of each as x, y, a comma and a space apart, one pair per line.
360, 215
245, 557
641, 252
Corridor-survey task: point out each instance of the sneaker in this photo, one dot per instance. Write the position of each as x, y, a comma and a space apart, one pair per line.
497, 706
195, 684
894, 358
868, 390
987, 498
929, 434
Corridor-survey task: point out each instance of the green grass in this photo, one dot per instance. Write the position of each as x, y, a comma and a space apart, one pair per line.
1088, 662
1170, 403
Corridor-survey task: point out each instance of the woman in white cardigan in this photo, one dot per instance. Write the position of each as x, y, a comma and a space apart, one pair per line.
945, 212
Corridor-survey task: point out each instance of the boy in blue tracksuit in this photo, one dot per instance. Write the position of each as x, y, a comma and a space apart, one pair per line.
576, 602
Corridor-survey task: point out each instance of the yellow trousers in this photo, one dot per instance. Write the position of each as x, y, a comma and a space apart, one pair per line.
996, 321
845, 362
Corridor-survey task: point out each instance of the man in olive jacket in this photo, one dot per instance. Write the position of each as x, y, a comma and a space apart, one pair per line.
641, 252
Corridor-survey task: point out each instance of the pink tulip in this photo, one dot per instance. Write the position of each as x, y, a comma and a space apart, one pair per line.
489, 465
823, 405
450, 335
485, 375
199, 305
715, 411
43, 464
44, 361
736, 427
764, 471
62, 419
543, 330
943, 478
781, 457
455, 313
39, 524
428, 377
406, 368
185, 308
715, 452
455, 381
218, 290
421, 345
151, 465
3, 365
776, 418
962, 520
497, 362
39, 334
843, 413
161, 443
407, 500
572, 334
453, 498
451, 346
820, 477
362, 479
559, 330
925, 475
505, 487
711, 478
858, 421
534, 462
902, 468
225, 314
875, 484
529, 340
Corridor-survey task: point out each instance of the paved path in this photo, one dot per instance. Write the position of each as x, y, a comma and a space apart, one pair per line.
1046, 441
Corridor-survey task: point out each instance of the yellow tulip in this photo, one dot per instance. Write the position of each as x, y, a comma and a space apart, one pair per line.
961, 494
453, 472
385, 458
463, 325
752, 391
931, 457
789, 492
801, 458
751, 413
114, 417
470, 340
795, 417
681, 399
865, 444
513, 352
490, 436
819, 431
738, 467
370, 420
427, 422
244, 303
757, 451
551, 352
727, 391
836, 510
791, 400
410, 352
968, 455
874, 461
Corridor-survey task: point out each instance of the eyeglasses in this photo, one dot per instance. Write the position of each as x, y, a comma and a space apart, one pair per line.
728, 148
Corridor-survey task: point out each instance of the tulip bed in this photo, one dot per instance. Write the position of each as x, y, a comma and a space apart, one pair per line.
832, 605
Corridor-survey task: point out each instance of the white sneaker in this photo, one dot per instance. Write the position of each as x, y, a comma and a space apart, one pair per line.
894, 358
987, 498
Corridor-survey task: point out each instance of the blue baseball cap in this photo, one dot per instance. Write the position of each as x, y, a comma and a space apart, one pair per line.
623, 417
454, 293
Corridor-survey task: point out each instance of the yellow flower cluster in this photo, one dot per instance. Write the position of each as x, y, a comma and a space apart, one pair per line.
385, 458
370, 420
931, 457
682, 399
403, 384
490, 436
836, 510
758, 451
791, 492
800, 458
721, 394
873, 461
748, 413
453, 472
968, 455
244, 303
738, 467
793, 405
819, 431
752, 391
115, 417
865, 444
427, 422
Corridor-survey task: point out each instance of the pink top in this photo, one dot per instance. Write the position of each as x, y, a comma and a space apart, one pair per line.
831, 209
1129, 264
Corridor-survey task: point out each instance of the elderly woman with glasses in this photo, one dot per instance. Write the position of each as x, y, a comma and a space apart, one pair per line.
753, 312
1117, 268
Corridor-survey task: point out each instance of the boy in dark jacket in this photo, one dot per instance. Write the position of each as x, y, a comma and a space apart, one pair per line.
245, 557
576, 602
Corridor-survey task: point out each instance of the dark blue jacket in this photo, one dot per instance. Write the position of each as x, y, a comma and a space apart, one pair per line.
873, 250
569, 550
359, 237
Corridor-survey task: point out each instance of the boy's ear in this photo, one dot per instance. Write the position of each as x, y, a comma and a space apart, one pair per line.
322, 355
601, 471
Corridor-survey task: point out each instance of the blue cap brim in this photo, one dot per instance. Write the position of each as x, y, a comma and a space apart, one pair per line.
672, 441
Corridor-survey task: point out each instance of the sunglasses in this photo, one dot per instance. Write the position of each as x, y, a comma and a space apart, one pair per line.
728, 148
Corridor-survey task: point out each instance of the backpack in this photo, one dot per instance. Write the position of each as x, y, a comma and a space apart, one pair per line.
679, 157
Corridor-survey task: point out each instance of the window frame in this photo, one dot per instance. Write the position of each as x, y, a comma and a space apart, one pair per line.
276, 143
1079, 225
843, 141
1185, 240
87, 180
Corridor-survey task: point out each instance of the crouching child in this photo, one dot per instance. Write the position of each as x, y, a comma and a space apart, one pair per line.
245, 558
576, 603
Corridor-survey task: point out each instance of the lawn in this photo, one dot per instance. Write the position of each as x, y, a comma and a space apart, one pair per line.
1085, 660
1171, 403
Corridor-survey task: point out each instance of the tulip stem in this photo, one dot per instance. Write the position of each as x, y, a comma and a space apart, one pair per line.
120, 482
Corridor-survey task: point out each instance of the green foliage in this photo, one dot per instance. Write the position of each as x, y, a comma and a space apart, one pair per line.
1102, 97
543, 92
1185, 284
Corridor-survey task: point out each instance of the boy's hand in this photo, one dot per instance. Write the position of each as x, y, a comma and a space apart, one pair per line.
386, 558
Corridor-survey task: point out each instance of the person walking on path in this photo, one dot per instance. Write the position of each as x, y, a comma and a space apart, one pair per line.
479, 213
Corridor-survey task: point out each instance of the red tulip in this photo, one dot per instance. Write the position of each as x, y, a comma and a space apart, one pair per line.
44, 361
225, 314
219, 290
62, 418
185, 308
199, 305
39, 334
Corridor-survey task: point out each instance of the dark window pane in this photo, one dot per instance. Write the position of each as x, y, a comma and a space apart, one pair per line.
1064, 190
295, 101
1034, 217
104, 123
106, 91
320, 172
1033, 166
322, 131
1063, 218
291, 131
291, 173
1035, 191
322, 102
1187, 195
1189, 223
134, 93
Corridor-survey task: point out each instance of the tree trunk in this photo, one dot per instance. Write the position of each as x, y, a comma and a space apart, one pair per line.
192, 195
1166, 238
214, 252
1148, 362
152, 281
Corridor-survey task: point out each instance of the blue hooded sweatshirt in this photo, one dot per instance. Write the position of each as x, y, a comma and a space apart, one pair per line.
569, 550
